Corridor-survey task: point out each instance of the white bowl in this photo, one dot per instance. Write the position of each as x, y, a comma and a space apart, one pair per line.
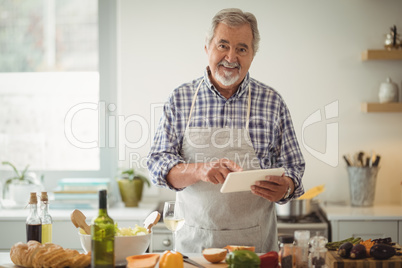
124, 246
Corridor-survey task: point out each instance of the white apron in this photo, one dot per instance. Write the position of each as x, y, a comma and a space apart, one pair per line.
213, 219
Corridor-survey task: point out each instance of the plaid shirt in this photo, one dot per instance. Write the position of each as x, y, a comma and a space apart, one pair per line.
270, 127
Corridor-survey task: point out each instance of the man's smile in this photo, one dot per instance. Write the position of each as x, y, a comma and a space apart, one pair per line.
230, 66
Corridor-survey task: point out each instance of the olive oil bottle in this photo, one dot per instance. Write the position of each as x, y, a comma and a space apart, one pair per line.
46, 219
33, 222
102, 232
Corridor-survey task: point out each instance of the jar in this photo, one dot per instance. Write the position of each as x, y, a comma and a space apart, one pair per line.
388, 91
301, 252
286, 251
318, 252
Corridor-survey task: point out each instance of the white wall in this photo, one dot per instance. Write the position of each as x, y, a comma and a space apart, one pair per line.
310, 52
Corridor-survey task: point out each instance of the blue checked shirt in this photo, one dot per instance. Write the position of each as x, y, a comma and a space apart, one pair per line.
270, 127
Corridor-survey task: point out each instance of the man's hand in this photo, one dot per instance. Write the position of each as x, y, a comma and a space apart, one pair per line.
274, 188
183, 175
217, 171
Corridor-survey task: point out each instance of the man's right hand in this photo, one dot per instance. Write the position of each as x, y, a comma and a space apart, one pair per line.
217, 171
183, 175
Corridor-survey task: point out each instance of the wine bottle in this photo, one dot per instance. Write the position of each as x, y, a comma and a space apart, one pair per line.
33, 222
102, 232
46, 219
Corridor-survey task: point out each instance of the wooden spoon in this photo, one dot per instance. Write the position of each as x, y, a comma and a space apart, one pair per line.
78, 219
151, 220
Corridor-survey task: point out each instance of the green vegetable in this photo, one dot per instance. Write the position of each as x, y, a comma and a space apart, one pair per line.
128, 231
243, 259
335, 245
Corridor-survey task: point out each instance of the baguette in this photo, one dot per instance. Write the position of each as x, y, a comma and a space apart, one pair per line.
34, 254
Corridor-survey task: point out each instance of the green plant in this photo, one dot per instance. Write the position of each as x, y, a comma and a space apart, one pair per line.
19, 176
131, 174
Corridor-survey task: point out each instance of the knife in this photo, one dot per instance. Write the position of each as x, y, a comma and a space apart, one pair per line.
190, 261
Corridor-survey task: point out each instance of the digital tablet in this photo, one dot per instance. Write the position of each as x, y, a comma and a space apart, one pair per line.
241, 181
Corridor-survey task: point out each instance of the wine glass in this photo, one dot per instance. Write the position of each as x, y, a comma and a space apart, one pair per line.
173, 218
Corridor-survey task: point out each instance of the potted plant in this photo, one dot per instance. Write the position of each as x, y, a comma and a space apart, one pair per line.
16, 189
131, 184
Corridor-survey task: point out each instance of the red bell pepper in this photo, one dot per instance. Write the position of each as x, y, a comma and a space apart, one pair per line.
269, 260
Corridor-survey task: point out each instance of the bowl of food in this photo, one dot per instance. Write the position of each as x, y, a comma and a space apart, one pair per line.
127, 242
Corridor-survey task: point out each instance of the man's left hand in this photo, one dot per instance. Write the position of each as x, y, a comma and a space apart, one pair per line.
274, 188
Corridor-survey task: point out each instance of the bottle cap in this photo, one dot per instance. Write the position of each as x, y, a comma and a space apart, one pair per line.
33, 199
102, 199
318, 242
44, 197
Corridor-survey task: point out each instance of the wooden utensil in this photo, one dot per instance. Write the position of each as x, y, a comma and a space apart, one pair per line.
151, 220
78, 219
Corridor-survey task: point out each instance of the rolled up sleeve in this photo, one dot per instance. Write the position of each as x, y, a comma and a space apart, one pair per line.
165, 150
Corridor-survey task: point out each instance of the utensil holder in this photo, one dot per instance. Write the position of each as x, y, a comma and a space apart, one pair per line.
362, 182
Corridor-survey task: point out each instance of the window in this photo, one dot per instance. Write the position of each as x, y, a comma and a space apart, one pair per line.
51, 84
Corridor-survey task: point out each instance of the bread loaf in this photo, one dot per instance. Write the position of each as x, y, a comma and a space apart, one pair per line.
34, 254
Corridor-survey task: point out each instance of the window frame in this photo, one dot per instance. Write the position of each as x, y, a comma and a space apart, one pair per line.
107, 42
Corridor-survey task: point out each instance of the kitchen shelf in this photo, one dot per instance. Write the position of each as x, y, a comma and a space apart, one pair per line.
393, 107
382, 54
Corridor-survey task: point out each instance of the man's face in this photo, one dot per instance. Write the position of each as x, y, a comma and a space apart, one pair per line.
230, 54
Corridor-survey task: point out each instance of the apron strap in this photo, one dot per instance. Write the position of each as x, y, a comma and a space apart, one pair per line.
193, 103
248, 106
195, 97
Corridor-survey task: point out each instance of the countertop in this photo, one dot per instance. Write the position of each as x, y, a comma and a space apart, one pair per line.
376, 212
117, 212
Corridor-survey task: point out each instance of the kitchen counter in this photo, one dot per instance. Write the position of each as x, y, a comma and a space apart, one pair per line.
380, 212
65, 234
378, 221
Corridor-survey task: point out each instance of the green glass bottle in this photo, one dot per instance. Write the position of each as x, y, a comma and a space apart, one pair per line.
102, 232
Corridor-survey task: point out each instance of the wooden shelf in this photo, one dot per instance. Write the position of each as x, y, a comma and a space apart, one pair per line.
382, 54
392, 107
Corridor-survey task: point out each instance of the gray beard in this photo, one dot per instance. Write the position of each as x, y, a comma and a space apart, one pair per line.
227, 79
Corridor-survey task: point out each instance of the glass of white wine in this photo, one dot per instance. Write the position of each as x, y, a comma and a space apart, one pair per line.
173, 218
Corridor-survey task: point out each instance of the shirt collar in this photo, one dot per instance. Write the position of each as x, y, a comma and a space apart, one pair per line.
240, 91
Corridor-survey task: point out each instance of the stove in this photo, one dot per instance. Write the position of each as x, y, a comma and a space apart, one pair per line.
316, 223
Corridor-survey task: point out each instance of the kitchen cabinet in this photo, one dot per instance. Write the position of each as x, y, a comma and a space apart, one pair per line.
365, 229
365, 222
373, 54
12, 223
162, 238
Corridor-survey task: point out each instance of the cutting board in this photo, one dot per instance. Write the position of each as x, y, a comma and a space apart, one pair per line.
201, 260
334, 261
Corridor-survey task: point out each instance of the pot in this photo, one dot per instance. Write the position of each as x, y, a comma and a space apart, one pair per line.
131, 191
296, 208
